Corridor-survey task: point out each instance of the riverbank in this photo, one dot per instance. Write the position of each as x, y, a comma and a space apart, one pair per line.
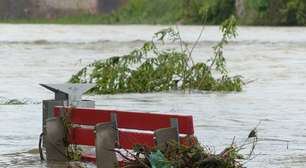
194, 12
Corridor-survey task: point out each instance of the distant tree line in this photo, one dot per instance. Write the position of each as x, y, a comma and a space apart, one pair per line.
248, 12
255, 12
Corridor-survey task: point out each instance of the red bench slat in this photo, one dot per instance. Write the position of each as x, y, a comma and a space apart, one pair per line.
86, 136
81, 136
129, 120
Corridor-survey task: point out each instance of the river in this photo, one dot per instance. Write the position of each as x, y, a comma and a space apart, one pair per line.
272, 58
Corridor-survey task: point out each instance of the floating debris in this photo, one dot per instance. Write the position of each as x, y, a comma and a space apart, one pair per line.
191, 156
25, 101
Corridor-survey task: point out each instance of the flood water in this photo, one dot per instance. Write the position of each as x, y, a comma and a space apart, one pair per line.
273, 58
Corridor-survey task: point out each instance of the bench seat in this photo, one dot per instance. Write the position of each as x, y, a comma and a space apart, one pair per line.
132, 127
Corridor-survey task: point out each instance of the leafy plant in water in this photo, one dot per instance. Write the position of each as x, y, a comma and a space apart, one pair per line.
154, 68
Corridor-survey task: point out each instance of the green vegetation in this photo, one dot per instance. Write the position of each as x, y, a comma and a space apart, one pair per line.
155, 67
135, 12
151, 12
169, 12
148, 12
255, 12
275, 12
214, 11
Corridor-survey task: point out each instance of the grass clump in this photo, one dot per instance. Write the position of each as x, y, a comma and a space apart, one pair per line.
154, 68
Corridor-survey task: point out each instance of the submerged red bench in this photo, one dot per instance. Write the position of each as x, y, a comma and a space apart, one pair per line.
133, 127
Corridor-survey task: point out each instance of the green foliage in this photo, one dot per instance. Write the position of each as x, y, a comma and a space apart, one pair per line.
153, 69
151, 12
135, 12
165, 11
148, 11
257, 12
294, 12
260, 5
214, 11
275, 12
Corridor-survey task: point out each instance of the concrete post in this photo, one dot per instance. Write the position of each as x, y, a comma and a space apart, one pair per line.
48, 106
105, 143
164, 135
65, 95
55, 147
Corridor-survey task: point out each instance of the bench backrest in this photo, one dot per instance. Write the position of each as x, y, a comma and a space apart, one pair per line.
133, 126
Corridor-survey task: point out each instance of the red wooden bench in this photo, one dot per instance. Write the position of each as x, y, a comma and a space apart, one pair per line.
132, 127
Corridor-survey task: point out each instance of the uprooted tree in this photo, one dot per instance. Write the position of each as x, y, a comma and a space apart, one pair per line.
155, 67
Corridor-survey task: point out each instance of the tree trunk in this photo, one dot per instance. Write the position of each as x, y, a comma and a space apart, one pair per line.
240, 8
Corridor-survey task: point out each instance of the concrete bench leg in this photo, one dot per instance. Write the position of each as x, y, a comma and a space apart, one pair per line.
106, 136
48, 106
55, 148
165, 135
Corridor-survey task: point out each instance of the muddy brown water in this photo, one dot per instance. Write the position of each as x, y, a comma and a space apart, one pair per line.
274, 58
